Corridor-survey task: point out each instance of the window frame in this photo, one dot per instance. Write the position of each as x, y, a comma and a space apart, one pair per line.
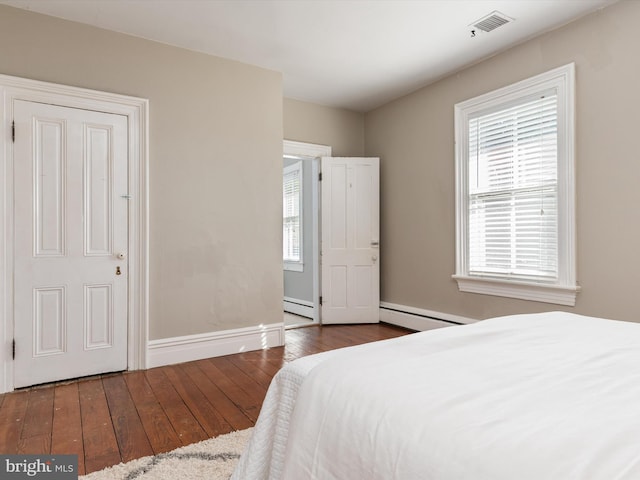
295, 265
564, 290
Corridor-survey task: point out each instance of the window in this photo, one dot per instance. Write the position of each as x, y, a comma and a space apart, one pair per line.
292, 216
515, 191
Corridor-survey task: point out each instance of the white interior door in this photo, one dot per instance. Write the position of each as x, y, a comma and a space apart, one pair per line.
70, 265
350, 264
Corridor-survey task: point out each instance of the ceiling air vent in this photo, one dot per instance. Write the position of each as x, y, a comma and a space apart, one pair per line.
492, 21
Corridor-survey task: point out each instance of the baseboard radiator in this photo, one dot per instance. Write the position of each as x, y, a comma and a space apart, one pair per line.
417, 318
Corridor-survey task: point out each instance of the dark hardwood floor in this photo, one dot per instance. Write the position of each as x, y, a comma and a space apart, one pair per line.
116, 418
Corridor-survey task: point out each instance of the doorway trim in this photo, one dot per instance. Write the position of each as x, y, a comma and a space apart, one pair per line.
313, 152
137, 112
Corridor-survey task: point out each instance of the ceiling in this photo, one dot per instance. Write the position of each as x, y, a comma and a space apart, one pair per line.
355, 54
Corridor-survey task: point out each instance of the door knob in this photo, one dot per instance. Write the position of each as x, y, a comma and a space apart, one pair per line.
121, 256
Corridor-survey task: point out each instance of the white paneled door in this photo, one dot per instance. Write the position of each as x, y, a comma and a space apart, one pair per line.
350, 191
70, 261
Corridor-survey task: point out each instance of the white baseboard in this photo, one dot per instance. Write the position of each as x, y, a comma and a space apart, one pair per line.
303, 308
417, 318
168, 351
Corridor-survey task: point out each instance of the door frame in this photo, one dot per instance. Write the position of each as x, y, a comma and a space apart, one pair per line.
137, 112
312, 152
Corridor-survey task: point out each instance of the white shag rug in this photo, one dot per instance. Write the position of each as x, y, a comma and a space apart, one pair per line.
212, 459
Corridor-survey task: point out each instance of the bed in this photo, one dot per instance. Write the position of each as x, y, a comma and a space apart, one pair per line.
539, 397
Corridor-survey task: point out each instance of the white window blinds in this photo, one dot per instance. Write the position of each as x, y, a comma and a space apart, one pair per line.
513, 190
291, 201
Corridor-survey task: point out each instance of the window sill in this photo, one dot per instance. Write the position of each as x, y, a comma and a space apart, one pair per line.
294, 266
556, 294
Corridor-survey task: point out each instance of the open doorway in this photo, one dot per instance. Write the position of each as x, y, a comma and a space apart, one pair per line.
301, 232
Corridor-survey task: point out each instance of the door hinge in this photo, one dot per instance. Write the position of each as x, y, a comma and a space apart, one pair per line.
13, 131
320, 176
13, 349
320, 299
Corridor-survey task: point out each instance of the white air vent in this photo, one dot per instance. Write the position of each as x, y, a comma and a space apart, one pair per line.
492, 21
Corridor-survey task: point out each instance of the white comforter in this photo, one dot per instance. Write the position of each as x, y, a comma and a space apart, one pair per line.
539, 397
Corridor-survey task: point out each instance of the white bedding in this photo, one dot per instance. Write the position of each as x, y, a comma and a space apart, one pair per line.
539, 397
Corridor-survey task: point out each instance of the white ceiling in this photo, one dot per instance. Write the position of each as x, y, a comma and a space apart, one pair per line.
356, 54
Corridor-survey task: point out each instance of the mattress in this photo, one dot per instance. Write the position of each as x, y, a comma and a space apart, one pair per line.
544, 396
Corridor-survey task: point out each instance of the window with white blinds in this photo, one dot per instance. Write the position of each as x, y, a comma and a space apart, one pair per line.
515, 189
291, 213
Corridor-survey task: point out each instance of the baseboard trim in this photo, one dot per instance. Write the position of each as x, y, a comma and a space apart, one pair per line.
296, 306
168, 351
417, 318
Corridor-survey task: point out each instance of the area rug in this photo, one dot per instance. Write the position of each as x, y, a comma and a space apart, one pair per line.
212, 459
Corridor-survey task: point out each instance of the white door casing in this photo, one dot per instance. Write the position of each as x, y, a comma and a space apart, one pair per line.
350, 260
70, 226
314, 153
135, 110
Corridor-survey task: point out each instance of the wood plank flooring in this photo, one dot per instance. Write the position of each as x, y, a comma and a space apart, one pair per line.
116, 418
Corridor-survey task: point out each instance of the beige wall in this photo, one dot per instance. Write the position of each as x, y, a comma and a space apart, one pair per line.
414, 138
341, 129
215, 165
216, 129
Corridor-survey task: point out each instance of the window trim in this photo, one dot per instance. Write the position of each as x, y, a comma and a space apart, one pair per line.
293, 265
562, 292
